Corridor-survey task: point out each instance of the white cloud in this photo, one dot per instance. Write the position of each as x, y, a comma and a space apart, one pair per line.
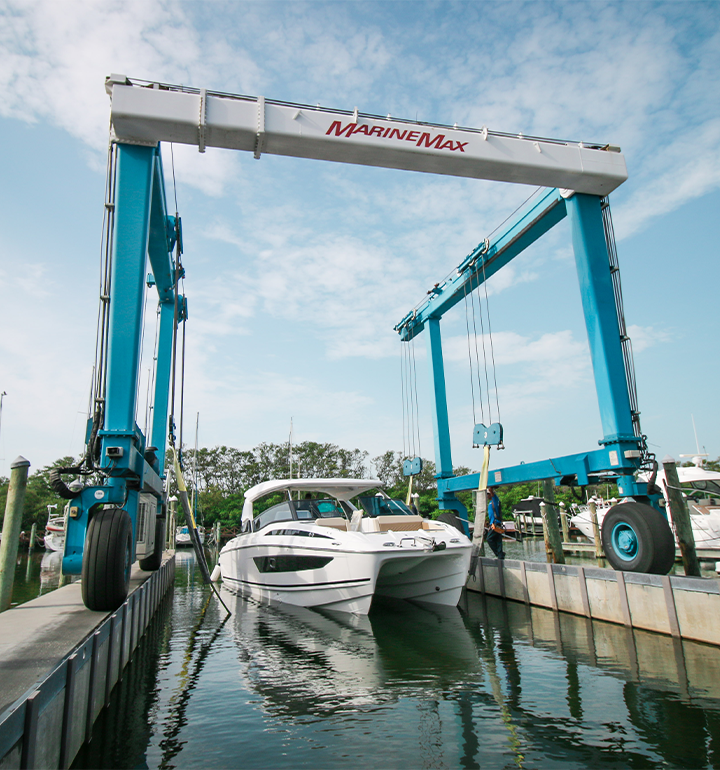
644, 337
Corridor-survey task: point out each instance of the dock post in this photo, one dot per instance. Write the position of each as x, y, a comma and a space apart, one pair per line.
551, 521
681, 518
11, 528
33, 536
564, 523
599, 553
546, 536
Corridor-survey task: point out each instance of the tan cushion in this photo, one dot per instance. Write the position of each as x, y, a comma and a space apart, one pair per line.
400, 523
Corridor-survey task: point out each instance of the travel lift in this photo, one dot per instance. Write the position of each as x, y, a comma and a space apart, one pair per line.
112, 523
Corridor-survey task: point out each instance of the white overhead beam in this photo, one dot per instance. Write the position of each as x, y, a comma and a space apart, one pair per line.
147, 115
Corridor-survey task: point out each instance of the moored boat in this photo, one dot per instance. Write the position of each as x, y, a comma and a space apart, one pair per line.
323, 551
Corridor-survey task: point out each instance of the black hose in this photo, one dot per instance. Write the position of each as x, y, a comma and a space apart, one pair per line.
59, 486
652, 488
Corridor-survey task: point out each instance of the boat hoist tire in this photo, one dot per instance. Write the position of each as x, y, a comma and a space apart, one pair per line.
637, 538
107, 562
153, 562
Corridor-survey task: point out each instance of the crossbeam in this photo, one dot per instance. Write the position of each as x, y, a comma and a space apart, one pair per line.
148, 113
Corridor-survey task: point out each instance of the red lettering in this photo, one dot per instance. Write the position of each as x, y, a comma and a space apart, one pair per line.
399, 134
461, 146
449, 145
360, 130
339, 130
376, 130
436, 142
412, 136
387, 131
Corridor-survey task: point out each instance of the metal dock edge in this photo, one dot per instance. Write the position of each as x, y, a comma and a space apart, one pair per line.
53, 716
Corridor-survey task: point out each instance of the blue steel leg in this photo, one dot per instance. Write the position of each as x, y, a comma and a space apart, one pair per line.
598, 299
132, 222
162, 383
441, 428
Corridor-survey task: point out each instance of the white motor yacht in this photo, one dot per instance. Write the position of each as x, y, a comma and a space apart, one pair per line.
54, 538
701, 489
322, 551
182, 536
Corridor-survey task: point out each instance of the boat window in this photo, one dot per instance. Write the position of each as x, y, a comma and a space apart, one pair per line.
328, 509
382, 506
706, 488
318, 509
279, 512
297, 533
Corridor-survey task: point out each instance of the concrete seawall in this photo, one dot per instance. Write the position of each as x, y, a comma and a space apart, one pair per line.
683, 607
59, 663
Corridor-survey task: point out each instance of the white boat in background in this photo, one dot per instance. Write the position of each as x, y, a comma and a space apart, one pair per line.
324, 552
54, 538
182, 537
701, 488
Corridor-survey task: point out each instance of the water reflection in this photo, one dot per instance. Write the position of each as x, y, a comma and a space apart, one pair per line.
491, 684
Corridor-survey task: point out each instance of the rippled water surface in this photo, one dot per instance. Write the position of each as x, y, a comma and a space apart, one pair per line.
489, 685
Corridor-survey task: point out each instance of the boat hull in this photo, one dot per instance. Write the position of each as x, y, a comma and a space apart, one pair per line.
349, 571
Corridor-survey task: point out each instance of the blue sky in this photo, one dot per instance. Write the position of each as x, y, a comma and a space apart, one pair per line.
298, 270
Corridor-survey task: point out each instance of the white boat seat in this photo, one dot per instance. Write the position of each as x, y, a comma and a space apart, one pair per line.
399, 523
337, 522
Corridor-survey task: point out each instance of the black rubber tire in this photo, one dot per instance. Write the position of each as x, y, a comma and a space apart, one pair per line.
153, 562
655, 551
107, 560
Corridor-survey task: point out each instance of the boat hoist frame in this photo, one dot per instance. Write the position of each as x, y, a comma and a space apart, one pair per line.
146, 113
623, 449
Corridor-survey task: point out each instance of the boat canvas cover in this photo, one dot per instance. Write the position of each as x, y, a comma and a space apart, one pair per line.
340, 489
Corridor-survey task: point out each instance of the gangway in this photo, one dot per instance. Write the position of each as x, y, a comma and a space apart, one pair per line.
113, 522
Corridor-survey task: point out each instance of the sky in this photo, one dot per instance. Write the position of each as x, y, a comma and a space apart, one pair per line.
298, 270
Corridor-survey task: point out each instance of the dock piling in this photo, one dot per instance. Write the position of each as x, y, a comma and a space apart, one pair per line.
681, 519
551, 522
11, 528
599, 553
564, 523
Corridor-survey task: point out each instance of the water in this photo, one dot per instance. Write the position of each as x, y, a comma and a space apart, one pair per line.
36, 574
491, 685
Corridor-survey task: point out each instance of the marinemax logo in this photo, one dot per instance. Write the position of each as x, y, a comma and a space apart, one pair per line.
419, 139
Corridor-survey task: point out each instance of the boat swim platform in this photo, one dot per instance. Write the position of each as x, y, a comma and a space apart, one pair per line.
676, 605
59, 662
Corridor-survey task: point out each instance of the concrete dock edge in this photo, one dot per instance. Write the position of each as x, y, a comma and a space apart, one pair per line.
679, 606
48, 723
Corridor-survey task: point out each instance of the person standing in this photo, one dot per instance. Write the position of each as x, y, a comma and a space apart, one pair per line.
495, 524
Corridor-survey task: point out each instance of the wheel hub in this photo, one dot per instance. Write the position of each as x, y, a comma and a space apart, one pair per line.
625, 541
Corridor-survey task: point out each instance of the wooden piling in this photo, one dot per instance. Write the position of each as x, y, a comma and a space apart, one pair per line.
11, 528
33, 537
551, 521
564, 523
546, 536
599, 553
681, 519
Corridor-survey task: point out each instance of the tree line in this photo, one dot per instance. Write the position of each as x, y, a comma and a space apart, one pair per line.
222, 474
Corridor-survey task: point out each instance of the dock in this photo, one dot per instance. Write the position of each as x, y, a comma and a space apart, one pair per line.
59, 663
679, 606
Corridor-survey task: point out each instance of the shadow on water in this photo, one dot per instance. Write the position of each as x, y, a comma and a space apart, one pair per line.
491, 684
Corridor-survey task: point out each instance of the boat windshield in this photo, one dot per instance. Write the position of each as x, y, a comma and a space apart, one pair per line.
318, 509
383, 506
701, 488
